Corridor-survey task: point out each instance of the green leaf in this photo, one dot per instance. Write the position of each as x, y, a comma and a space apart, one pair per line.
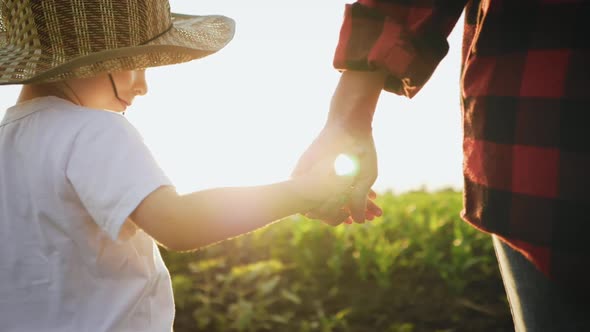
290, 296
268, 286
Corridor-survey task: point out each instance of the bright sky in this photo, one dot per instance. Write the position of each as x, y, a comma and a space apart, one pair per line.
244, 115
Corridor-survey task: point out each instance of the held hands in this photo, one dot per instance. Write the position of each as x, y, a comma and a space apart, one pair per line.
356, 202
320, 183
348, 130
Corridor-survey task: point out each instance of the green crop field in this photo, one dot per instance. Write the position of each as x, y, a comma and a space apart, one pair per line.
419, 267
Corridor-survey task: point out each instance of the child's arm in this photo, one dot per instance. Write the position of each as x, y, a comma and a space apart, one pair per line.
191, 221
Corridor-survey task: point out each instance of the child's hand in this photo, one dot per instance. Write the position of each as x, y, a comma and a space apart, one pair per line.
321, 184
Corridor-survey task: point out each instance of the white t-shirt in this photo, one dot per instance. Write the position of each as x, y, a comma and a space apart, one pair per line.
69, 261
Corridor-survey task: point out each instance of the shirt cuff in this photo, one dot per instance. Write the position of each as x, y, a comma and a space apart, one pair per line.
370, 40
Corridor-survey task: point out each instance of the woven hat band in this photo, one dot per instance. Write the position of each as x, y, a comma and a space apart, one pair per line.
69, 29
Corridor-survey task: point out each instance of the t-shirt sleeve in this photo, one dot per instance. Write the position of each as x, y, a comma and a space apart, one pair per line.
112, 170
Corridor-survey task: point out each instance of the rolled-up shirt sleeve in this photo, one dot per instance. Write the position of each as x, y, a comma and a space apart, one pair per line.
407, 39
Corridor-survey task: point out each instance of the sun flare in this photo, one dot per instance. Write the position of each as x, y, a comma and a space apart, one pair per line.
345, 165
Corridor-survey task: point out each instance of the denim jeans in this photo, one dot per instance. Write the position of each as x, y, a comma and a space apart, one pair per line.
537, 303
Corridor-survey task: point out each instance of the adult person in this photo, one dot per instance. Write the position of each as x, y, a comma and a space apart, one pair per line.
525, 78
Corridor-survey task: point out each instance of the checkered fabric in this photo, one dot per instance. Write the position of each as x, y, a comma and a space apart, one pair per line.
526, 104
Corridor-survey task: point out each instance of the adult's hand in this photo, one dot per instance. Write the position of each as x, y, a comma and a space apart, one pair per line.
358, 206
349, 130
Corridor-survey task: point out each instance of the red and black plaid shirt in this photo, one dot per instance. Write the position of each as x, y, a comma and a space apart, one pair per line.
525, 92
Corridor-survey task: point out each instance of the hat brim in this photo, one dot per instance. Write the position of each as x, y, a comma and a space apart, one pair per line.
190, 37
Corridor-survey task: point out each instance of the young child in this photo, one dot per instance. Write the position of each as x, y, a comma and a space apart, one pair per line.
81, 198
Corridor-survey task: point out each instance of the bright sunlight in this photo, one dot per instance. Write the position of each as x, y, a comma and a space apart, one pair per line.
245, 115
345, 165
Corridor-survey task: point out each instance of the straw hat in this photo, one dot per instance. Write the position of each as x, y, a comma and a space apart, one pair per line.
50, 40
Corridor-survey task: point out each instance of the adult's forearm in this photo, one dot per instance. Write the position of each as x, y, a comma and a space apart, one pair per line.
355, 99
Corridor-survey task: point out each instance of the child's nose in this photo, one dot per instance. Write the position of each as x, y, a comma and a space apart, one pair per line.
140, 86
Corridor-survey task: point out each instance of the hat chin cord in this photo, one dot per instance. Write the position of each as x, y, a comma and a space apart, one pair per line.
77, 101
115, 89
